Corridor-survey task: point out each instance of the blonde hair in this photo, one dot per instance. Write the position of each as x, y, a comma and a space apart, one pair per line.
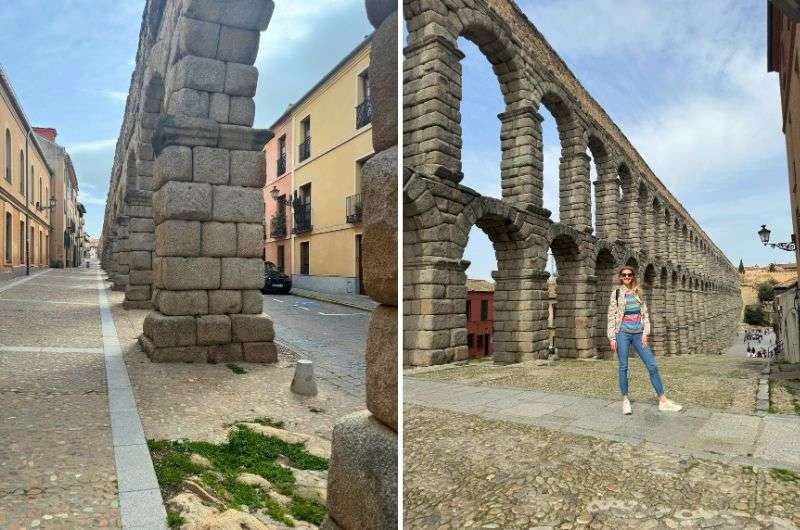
634, 283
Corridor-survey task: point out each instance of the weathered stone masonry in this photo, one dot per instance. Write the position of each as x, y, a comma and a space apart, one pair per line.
183, 231
690, 285
362, 480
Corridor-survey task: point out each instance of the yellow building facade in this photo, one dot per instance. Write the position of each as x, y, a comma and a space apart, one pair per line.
25, 184
332, 137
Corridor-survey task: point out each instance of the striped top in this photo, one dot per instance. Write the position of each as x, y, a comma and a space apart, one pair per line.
632, 319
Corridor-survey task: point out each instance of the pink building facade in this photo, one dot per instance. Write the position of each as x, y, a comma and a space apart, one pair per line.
278, 219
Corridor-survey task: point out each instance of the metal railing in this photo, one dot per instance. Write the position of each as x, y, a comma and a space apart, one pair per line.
363, 113
281, 169
305, 149
278, 226
302, 217
354, 210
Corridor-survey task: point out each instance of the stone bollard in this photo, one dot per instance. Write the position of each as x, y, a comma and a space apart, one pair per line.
303, 382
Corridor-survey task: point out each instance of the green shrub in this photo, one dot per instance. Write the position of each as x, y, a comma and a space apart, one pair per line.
754, 315
766, 293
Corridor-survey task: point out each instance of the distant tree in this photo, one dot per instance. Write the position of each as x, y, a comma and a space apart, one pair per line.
766, 292
771, 267
754, 315
741, 267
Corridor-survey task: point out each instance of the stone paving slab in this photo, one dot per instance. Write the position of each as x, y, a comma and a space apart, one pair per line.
764, 441
57, 467
50, 373
467, 471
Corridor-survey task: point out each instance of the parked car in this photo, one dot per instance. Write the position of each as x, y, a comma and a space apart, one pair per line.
275, 280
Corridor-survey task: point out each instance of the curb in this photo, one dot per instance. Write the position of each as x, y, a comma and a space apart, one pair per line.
762, 394
322, 298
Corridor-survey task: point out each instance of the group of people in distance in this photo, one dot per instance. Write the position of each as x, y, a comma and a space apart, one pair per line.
753, 340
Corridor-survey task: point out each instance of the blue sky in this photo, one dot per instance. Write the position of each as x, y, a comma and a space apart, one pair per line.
70, 62
687, 83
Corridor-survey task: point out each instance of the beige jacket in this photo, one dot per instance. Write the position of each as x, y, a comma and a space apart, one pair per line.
616, 309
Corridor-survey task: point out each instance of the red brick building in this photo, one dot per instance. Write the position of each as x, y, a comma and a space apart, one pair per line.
480, 317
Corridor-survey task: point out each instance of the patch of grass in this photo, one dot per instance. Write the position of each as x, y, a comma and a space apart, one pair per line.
785, 475
235, 368
307, 510
269, 422
246, 451
174, 520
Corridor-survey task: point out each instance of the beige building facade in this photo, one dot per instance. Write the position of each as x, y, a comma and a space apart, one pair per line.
25, 185
66, 245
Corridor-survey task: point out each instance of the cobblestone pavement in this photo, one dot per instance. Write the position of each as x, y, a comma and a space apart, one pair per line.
56, 455
464, 471
199, 401
331, 335
785, 388
725, 382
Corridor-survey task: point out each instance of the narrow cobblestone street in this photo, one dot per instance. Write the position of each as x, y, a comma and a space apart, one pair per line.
545, 445
57, 465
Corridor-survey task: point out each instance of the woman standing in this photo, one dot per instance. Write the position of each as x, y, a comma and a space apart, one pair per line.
629, 324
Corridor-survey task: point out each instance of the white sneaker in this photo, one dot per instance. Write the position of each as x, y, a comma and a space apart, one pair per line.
669, 406
626, 407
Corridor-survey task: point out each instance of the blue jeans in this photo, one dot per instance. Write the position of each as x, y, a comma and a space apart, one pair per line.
624, 342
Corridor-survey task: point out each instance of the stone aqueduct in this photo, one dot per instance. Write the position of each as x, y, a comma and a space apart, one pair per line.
692, 288
183, 231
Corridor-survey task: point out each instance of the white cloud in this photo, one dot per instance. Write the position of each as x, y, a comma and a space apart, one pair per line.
86, 197
92, 146
295, 22
114, 95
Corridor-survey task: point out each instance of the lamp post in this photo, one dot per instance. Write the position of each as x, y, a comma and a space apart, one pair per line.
42, 208
764, 233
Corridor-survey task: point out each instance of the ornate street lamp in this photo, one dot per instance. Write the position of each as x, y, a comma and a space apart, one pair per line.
276, 195
764, 233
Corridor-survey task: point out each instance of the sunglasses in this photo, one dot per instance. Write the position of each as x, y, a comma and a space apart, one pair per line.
626, 275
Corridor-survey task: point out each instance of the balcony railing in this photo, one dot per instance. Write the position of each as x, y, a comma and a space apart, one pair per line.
281, 165
302, 217
354, 209
277, 226
363, 113
305, 149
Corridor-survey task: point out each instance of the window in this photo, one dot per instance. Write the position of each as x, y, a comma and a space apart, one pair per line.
8, 237
469, 308
21, 242
33, 247
21, 168
304, 257
41, 202
281, 169
8, 156
305, 146
470, 340
281, 259
484, 309
364, 107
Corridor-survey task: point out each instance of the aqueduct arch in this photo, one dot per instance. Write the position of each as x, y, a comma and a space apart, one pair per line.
637, 220
183, 232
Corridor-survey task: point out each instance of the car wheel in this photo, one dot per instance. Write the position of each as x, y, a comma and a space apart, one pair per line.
286, 291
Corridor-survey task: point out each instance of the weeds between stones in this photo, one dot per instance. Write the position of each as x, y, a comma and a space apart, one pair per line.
785, 475
246, 451
174, 520
235, 368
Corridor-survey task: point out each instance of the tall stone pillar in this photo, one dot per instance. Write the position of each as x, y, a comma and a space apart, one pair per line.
362, 479
573, 320
521, 177
574, 200
208, 204
141, 243
673, 342
607, 202
633, 215
433, 63
683, 319
121, 266
658, 319
520, 319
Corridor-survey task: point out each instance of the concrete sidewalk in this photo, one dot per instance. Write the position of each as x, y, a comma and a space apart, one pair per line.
73, 452
349, 300
770, 441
